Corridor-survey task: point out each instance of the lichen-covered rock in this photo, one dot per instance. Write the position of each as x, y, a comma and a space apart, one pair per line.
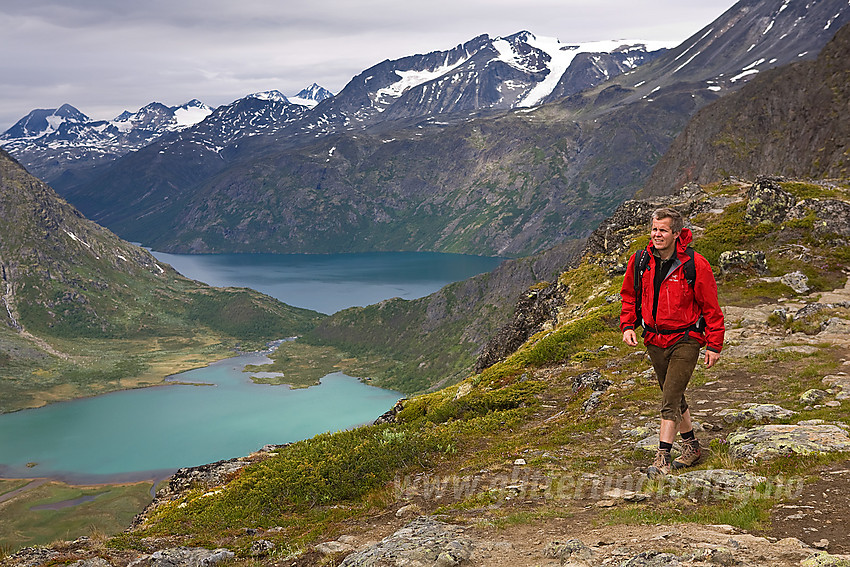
653, 559
826, 560
424, 541
768, 202
743, 261
720, 482
184, 557
798, 281
33, 556
812, 396
773, 440
756, 412
840, 382
261, 547
572, 550
333, 547
832, 216
812, 309
93, 562
592, 379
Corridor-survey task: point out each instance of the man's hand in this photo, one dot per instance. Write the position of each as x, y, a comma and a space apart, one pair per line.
711, 358
630, 337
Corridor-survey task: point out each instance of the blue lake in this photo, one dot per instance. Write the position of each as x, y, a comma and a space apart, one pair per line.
149, 433
329, 282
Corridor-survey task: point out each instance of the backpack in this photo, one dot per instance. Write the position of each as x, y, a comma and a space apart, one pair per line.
690, 272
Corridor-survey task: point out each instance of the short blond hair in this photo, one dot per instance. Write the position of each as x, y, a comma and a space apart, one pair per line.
677, 223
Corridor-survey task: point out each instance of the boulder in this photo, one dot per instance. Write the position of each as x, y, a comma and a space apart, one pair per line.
767, 202
774, 440
571, 550
755, 412
812, 396
798, 281
841, 382
425, 541
720, 482
826, 560
833, 216
743, 261
184, 557
333, 547
261, 548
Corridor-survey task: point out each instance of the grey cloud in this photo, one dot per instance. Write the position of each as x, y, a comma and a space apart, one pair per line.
104, 56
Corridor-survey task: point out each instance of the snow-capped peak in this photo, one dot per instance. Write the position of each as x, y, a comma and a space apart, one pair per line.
311, 96
274, 96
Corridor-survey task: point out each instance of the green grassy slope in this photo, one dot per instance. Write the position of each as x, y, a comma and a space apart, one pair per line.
82, 312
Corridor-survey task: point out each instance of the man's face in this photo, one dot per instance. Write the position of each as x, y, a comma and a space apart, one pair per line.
663, 237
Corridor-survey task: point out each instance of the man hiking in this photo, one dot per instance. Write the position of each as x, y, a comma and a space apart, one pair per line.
670, 290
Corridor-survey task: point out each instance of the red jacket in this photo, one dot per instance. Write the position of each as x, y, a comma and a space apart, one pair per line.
679, 305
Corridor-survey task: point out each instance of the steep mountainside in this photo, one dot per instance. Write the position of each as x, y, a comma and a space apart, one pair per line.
83, 310
511, 183
751, 37
429, 342
771, 126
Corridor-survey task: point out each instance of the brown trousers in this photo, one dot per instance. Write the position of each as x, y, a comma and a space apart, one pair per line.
673, 368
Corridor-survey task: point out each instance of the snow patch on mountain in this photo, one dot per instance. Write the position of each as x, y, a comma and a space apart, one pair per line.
562, 56
413, 78
191, 114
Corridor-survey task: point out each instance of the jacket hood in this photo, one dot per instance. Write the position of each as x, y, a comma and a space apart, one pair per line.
685, 238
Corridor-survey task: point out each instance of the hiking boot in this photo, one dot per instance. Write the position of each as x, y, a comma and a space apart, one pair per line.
691, 453
661, 465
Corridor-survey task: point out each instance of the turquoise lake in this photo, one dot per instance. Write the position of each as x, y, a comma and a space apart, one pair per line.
149, 433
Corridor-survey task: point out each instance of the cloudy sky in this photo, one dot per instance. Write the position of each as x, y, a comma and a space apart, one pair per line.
106, 56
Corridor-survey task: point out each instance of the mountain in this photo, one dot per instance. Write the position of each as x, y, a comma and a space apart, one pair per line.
376, 168
84, 312
484, 73
58, 145
771, 126
311, 96
378, 96
64, 142
44, 121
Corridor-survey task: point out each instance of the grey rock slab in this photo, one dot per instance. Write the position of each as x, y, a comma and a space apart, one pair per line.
424, 542
184, 557
773, 440
771, 412
722, 481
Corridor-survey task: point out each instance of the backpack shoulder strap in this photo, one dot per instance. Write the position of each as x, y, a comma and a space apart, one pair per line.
690, 267
640, 264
